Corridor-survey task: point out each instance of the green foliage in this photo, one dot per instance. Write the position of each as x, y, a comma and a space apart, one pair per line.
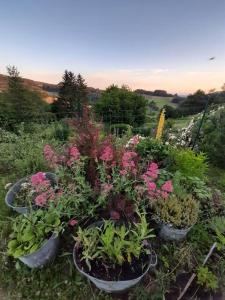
30, 231
146, 130
152, 149
181, 213
22, 153
120, 129
76, 200
119, 105
212, 137
189, 163
206, 278
184, 185
72, 96
112, 243
19, 104
218, 224
193, 103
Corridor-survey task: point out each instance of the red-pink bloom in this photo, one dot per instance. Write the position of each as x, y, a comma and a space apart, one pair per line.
167, 186
151, 186
50, 155
152, 171
74, 152
107, 154
106, 188
73, 222
123, 172
38, 178
41, 199
164, 195
135, 140
153, 166
129, 162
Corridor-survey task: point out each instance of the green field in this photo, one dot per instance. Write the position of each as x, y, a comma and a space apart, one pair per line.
160, 101
182, 122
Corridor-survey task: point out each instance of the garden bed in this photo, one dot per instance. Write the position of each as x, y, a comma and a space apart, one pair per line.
176, 261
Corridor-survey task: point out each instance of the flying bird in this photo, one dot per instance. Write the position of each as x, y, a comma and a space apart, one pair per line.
212, 58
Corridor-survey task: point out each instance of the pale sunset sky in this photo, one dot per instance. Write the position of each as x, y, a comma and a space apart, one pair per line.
148, 44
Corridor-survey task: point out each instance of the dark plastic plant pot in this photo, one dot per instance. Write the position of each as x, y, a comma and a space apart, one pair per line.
10, 196
115, 286
44, 255
169, 233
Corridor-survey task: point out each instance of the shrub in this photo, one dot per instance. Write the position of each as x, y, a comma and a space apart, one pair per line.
120, 105
212, 140
188, 162
120, 129
153, 149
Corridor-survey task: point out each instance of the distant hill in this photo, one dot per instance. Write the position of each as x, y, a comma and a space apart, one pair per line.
48, 91
33, 85
159, 93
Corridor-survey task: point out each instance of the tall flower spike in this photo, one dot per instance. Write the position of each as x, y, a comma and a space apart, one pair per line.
160, 125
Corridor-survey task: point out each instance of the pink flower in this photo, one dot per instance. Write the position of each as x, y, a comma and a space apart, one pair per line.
129, 161
164, 195
38, 178
153, 167
123, 172
107, 154
135, 140
152, 171
41, 199
106, 188
167, 186
73, 222
50, 155
151, 186
74, 152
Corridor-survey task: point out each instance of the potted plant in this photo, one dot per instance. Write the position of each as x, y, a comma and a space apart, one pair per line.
34, 239
31, 191
176, 216
114, 256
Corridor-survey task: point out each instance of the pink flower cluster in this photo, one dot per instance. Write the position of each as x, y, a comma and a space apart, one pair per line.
129, 163
134, 141
74, 155
50, 156
150, 176
68, 159
43, 188
107, 154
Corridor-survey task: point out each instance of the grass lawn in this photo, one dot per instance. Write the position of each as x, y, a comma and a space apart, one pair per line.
161, 101
182, 122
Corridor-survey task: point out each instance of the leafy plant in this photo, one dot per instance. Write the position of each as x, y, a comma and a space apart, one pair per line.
152, 149
188, 163
206, 278
30, 231
181, 213
113, 243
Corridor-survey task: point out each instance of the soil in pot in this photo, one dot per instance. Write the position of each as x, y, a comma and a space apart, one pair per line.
127, 271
